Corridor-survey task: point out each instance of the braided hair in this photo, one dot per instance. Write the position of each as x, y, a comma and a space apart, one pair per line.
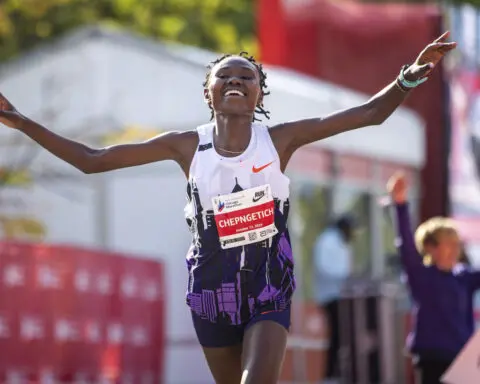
261, 73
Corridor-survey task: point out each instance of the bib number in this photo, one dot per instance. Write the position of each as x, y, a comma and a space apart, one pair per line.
245, 217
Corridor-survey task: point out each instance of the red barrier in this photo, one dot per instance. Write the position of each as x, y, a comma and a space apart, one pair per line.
305, 357
68, 314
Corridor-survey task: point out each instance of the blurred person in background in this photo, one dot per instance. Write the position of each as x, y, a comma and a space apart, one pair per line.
240, 263
333, 264
441, 287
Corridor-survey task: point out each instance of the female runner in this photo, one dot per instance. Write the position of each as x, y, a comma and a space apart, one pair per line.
240, 262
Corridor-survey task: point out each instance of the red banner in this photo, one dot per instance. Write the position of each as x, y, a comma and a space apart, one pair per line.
74, 315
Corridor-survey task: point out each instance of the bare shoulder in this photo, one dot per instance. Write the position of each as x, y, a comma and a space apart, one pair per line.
179, 139
278, 131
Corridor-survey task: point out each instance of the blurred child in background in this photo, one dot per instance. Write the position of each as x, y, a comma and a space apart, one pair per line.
441, 287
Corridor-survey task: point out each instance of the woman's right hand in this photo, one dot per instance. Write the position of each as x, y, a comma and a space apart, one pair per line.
9, 114
397, 188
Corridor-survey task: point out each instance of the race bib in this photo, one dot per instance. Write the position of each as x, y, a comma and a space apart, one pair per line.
245, 217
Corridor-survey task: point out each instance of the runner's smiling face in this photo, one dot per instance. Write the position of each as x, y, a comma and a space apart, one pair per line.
234, 87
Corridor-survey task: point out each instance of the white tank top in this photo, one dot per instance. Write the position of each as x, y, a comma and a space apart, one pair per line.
237, 210
217, 175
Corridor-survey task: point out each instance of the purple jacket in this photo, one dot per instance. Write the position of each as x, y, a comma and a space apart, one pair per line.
442, 301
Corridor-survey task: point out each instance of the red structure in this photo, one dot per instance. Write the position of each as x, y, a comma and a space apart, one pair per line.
362, 47
69, 313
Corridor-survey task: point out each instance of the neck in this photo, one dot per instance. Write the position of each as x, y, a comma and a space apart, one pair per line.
232, 133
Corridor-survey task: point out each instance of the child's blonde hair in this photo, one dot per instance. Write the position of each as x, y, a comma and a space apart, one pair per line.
427, 234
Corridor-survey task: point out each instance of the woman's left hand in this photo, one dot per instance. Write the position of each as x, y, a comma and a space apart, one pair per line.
429, 58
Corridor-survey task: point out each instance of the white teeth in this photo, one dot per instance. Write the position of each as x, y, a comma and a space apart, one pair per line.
234, 92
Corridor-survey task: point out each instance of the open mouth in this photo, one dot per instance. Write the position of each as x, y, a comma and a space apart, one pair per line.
235, 93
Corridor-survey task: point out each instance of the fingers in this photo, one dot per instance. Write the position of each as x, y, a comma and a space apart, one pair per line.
399, 175
5, 105
395, 179
442, 46
443, 37
447, 47
3, 102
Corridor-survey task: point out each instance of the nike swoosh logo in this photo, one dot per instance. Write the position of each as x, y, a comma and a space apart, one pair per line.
259, 169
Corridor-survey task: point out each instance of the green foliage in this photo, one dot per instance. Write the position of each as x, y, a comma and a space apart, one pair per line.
224, 26
475, 3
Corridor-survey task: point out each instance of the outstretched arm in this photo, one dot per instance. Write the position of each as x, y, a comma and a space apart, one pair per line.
90, 160
411, 260
375, 111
